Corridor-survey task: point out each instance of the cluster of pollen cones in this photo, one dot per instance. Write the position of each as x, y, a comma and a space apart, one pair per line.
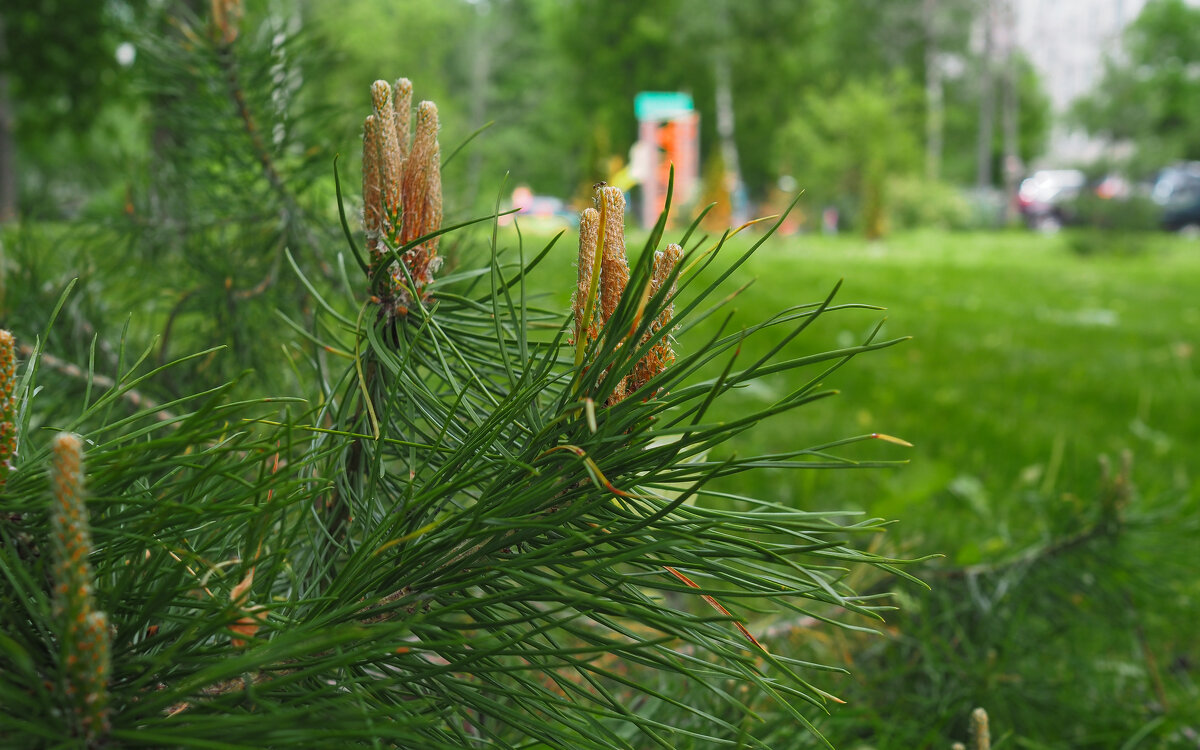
402, 193
603, 277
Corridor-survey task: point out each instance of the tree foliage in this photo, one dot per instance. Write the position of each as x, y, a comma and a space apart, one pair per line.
854, 143
1150, 93
562, 75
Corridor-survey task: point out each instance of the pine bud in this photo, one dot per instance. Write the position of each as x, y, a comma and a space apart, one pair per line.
981, 738
589, 224
614, 266
614, 274
372, 184
662, 354
402, 97
421, 162
423, 196
8, 410
432, 215
391, 161
84, 636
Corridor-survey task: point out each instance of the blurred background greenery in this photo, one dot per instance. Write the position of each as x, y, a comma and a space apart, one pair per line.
171, 180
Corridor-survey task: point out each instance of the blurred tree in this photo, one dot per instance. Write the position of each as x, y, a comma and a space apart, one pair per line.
517, 82
1032, 108
612, 51
558, 77
241, 160
58, 70
853, 142
1150, 94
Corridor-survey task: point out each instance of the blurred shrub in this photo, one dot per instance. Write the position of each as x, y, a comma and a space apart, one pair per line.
1021, 632
1133, 214
1113, 226
917, 202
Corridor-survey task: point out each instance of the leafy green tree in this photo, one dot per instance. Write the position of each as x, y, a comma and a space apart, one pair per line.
962, 122
59, 80
1150, 94
853, 143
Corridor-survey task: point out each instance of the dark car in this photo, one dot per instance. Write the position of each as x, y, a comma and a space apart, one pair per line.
1177, 190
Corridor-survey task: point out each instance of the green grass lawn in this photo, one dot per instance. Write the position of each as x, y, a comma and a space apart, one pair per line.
1027, 362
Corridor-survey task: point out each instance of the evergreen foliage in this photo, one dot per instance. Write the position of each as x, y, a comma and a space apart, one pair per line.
461, 531
441, 512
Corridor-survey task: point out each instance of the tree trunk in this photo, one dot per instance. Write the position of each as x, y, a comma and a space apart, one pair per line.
935, 110
987, 101
8, 142
1009, 113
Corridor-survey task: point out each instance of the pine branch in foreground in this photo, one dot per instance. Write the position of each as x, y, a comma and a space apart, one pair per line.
495, 526
538, 518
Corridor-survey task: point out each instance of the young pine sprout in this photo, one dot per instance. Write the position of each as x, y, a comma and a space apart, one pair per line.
83, 634
8, 416
402, 195
602, 282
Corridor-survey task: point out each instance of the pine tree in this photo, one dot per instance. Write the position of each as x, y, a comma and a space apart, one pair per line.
485, 523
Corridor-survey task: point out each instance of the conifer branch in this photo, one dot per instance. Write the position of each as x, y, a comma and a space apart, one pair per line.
136, 398
224, 32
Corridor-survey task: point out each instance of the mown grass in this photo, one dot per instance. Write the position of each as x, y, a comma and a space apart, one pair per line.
1027, 363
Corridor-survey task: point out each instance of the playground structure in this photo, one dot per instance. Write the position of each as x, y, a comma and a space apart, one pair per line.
668, 135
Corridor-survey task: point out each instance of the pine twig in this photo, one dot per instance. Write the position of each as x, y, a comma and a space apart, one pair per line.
136, 398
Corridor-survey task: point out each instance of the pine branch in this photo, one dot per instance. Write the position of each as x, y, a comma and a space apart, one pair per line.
136, 398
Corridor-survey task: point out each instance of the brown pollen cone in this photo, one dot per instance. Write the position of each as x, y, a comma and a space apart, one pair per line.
391, 163
614, 267
8, 417
83, 631
423, 196
589, 225
372, 184
661, 355
402, 98
614, 274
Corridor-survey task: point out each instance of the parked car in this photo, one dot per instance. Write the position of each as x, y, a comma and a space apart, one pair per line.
1177, 191
1045, 197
